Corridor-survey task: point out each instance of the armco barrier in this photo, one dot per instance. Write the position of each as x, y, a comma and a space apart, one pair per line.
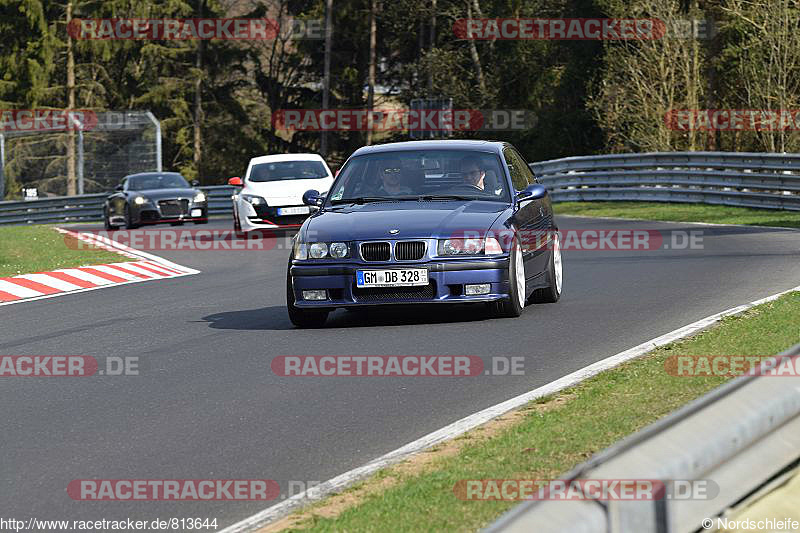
738, 436
762, 180
89, 207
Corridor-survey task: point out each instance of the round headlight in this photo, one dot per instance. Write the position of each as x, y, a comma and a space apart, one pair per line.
139, 200
339, 250
200, 197
318, 250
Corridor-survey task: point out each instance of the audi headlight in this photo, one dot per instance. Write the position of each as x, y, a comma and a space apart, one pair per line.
318, 250
199, 197
140, 200
339, 250
254, 200
461, 246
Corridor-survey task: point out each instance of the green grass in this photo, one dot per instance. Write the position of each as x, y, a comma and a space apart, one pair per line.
28, 249
717, 214
549, 442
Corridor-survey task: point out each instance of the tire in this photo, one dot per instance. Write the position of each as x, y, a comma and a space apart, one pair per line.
237, 226
302, 318
176, 223
128, 223
555, 277
106, 222
512, 307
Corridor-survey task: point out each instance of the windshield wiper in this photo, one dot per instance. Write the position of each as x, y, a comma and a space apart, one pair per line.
446, 197
367, 199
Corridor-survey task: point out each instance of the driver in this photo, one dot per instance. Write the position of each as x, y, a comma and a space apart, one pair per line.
390, 171
473, 172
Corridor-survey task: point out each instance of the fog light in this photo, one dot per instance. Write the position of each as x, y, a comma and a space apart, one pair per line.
474, 290
318, 294
197, 213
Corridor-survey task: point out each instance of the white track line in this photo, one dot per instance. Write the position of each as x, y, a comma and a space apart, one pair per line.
460, 427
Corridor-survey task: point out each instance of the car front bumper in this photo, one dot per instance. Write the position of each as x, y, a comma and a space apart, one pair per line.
446, 283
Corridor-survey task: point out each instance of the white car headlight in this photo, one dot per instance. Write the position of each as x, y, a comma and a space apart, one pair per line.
200, 197
140, 200
254, 200
339, 250
318, 250
461, 246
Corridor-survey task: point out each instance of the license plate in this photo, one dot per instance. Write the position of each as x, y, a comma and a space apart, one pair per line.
302, 210
407, 277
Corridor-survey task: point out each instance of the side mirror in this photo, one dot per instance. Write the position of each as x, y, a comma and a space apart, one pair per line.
236, 182
195, 183
118, 187
313, 198
532, 192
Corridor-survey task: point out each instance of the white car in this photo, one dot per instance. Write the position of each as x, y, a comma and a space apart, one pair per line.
272, 190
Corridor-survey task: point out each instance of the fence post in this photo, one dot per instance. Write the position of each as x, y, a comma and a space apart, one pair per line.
2, 166
157, 124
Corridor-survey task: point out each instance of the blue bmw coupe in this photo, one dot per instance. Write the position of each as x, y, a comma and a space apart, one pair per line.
426, 222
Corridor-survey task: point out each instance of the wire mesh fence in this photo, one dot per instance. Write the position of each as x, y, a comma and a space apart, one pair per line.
106, 146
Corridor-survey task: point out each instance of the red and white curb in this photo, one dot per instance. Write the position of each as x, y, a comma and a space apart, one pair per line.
148, 267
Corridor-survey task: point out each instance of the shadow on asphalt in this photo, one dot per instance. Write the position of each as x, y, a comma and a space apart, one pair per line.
275, 318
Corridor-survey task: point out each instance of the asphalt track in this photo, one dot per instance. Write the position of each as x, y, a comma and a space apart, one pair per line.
207, 404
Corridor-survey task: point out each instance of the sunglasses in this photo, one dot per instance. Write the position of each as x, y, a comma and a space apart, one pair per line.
391, 170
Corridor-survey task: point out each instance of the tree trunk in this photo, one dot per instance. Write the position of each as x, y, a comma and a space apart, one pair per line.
373, 13
71, 181
326, 81
198, 107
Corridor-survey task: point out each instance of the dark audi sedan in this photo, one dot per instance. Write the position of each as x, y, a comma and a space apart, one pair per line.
426, 222
154, 198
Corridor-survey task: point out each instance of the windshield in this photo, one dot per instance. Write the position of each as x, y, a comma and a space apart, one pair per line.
157, 181
288, 170
458, 174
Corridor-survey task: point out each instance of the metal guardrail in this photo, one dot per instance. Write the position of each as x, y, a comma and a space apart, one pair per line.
738, 179
89, 207
760, 180
739, 436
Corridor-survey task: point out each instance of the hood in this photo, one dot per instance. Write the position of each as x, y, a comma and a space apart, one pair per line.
165, 194
288, 192
415, 220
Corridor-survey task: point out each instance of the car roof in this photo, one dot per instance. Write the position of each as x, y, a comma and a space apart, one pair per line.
154, 173
449, 144
285, 157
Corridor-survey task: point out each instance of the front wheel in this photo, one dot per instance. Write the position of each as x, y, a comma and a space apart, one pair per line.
107, 221
128, 219
302, 318
555, 277
512, 307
